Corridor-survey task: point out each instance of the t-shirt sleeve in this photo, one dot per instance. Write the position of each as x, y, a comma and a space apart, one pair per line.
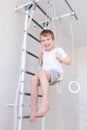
62, 52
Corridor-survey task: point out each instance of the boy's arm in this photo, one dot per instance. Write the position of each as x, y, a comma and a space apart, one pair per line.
40, 56
64, 60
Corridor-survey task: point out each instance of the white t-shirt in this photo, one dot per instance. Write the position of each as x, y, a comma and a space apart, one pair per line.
50, 62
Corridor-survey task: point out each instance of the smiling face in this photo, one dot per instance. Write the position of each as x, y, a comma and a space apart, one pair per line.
47, 42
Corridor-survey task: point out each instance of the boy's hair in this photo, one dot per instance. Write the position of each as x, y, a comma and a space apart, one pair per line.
46, 33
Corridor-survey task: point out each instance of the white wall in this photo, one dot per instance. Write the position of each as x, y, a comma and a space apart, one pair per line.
82, 77
64, 107
11, 33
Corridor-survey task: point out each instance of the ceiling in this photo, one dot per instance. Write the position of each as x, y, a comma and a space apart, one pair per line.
79, 26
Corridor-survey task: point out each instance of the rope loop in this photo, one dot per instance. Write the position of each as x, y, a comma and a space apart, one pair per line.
74, 85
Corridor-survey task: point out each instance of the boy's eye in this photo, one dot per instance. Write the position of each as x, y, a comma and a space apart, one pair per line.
48, 39
42, 41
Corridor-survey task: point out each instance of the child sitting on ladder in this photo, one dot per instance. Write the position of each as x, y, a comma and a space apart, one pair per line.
51, 60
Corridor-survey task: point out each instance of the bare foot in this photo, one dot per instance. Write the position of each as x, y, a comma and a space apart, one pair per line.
43, 110
33, 116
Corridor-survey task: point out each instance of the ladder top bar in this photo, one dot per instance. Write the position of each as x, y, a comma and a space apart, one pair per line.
71, 9
63, 16
25, 5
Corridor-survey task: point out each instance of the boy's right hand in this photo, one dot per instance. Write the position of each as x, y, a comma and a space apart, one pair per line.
40, 55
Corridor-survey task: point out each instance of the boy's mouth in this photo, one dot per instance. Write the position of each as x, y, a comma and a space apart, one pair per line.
47, 45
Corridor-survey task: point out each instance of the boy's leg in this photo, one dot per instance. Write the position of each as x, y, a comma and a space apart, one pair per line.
34, 97
44, 78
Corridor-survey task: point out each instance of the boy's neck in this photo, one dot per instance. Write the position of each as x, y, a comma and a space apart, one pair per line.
51, 48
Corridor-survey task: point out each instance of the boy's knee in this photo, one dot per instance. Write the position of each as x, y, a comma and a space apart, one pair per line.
42, 74
33, 78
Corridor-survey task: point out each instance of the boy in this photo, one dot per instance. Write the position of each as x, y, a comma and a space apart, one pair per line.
51, 60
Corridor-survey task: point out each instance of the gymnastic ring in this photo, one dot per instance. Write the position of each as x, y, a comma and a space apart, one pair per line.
70, 89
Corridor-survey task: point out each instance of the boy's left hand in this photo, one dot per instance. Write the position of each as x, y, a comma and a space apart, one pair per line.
58, 56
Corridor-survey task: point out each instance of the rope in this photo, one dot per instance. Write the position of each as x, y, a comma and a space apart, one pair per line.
72, 39
52, 13
73, 84
59, 33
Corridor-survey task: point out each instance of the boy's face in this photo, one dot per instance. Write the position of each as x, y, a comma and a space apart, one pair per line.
47, 42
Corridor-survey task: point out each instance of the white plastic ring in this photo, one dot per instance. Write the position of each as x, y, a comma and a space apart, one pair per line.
70, 88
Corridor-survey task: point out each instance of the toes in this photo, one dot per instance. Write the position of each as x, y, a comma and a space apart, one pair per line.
32, 118
39, 114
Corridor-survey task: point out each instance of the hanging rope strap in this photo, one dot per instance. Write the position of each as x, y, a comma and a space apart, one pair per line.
74, 86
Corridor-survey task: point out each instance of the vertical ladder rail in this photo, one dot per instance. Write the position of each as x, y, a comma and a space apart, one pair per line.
43, 123
23, 59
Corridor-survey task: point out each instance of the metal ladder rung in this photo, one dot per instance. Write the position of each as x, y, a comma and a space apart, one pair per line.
32, 54
30, 73
26, 117
29, 94
36, 23
27, 72
43, 12
33, 37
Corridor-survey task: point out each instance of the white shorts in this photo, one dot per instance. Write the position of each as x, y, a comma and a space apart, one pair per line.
55, 75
